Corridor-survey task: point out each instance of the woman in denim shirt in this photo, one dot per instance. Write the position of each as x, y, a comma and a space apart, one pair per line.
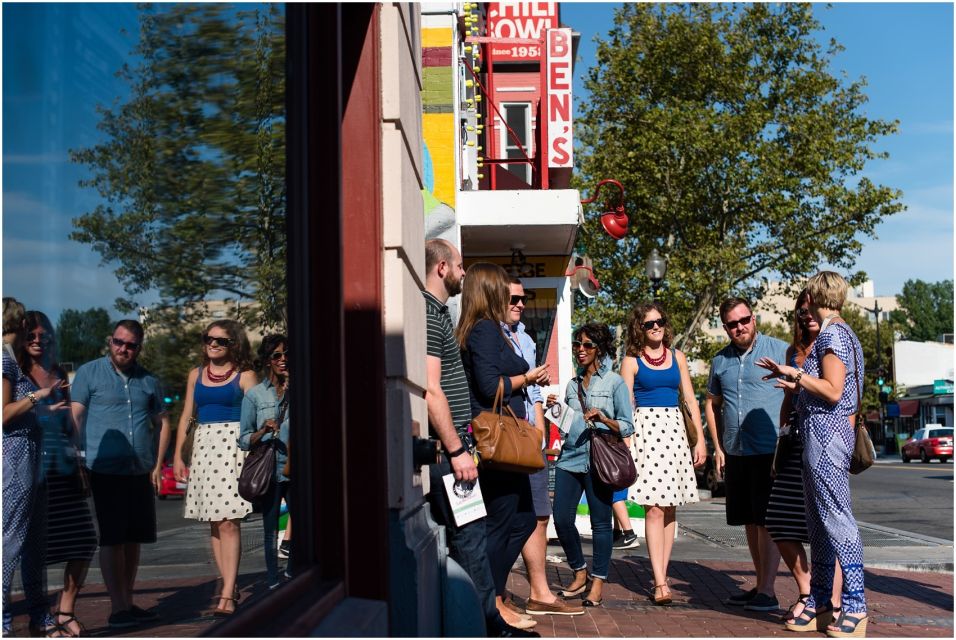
608, 407
265, 415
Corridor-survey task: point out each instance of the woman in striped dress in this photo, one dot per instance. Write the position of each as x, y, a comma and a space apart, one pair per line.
70, 534
786, 511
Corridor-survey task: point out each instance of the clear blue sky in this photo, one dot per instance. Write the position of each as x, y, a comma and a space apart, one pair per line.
905, 51
59, 61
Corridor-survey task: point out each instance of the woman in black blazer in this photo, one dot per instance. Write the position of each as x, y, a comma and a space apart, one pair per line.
488, 357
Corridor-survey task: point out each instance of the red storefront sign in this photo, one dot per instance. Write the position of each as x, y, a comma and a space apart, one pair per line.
519, 20
559, 108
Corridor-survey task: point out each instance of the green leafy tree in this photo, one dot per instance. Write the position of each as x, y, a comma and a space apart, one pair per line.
741, 154
926, 310
81, 335
191, 170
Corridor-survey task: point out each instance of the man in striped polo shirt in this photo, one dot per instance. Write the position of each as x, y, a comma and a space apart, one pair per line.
449, 414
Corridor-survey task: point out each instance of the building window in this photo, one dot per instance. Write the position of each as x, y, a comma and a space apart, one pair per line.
518, 118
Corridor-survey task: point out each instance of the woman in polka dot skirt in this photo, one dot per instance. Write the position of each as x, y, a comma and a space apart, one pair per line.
665, 463
215, 390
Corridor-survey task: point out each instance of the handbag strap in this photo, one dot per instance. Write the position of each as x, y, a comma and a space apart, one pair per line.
859, 386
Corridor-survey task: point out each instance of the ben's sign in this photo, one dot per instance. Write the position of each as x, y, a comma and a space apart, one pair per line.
519, 20
559, 111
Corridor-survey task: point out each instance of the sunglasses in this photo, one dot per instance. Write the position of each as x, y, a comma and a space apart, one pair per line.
583, 345
730, 326
37, 336
119, 344
803, 312
660, 322
278, 355
516, 299
219, 342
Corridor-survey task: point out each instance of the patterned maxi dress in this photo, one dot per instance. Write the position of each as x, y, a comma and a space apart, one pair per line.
828, 441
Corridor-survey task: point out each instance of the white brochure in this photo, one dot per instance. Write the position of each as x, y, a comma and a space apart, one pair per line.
561, 415
466, 502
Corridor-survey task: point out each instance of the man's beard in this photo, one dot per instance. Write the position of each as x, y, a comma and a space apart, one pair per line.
452, 286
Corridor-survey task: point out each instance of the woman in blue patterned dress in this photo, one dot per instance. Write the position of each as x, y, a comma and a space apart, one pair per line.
24, 506
828, 384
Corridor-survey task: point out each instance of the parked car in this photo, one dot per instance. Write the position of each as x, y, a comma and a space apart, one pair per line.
169, 486
929, 443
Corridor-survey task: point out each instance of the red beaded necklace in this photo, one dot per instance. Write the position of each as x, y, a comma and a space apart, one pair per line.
219, 378
655, 362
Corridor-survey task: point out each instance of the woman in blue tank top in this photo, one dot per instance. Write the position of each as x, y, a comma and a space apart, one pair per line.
665, 462
215, 391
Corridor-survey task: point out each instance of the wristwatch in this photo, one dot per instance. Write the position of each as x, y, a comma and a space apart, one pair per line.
33, 397
455, 454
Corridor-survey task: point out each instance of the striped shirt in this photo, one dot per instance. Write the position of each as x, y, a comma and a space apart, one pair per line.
442, 345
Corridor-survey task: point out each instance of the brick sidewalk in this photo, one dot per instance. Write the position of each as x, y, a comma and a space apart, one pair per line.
901, 604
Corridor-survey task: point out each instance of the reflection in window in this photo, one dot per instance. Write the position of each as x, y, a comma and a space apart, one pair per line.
144, 151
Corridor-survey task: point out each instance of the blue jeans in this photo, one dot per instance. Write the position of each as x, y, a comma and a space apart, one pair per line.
271, 504
568, 488
466, 545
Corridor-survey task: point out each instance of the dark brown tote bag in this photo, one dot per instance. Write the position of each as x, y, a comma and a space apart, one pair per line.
504, 441
610, 456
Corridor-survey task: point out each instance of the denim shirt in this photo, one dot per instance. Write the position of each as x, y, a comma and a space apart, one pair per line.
526, 348
751, 405
120, 434
606, 391
258, 405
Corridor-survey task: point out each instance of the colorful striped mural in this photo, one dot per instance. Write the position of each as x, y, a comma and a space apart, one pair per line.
438, 121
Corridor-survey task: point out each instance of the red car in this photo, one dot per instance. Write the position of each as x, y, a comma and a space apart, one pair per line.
928, 443
168, 485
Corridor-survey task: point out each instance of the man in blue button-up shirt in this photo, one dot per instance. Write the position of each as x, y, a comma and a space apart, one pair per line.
745, 408
118, 406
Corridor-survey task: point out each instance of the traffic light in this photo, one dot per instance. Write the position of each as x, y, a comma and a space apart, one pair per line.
879, 381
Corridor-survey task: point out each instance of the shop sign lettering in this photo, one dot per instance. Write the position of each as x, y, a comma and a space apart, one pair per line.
520, 20
559, 109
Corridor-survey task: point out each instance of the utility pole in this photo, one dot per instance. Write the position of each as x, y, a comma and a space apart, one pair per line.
876, 310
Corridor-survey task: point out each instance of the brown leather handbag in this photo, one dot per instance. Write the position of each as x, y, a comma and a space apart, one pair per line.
610, 455
504, 441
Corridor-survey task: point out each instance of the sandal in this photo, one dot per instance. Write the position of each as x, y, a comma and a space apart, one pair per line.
665, 598
70, 618
219, 612
811, 619
849, 626
592, 603
788, 616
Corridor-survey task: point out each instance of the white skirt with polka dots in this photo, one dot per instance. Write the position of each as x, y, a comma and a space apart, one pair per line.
212, 493
665, 466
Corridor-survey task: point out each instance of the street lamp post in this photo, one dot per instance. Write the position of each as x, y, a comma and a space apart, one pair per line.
655, 268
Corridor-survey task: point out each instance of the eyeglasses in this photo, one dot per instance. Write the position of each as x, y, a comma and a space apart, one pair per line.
119, 344
219, 342
730, 326
40, 337
660, 322
278, 355
516, 299
583, 345
803, 312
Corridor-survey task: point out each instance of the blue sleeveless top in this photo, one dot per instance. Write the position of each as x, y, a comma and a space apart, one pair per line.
657, 387
218, 404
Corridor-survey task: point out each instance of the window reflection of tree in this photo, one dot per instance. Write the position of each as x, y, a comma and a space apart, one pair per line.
191, 167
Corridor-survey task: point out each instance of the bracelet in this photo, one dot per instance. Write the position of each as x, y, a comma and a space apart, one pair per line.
799, 375
526, 383
33, 398
455, 454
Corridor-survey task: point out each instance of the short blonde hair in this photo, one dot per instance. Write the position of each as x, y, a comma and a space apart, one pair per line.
828, 289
